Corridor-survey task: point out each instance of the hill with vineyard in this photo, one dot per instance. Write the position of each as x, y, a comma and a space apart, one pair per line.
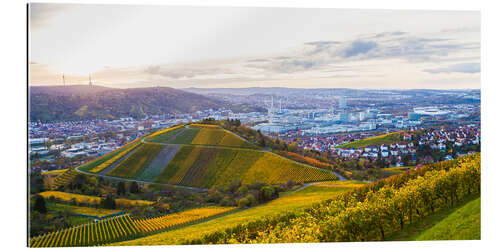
201, 156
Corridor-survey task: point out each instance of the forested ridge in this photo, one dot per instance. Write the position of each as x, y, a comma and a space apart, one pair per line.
80, 102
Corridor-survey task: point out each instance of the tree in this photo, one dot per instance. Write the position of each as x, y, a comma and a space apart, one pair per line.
266, 193
243, 190
234, 186
108, 202
134, 188
40, 204
121, 188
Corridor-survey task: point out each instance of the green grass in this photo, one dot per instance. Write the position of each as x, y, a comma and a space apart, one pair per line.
291, 202
376, 140
398, 170
138, 161
186, 136
461, 222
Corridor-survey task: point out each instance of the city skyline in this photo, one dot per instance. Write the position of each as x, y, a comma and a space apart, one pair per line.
223, 47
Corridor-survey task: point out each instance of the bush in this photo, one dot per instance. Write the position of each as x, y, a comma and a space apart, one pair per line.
108, 202
251, 200
243, 190
244, 202
40, 204
266, 193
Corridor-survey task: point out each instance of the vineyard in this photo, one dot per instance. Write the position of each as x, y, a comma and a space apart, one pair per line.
158, 135
90, 166
306, 160
92, 200
159, 162
119, 154
204, 126
103, 232
121, 228
206, 167
139, 160
219, 137
375, 140
186, 136
294, 201
367, 213
172, 220
63, 179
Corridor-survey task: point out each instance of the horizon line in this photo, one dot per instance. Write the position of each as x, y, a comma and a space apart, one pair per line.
257, 87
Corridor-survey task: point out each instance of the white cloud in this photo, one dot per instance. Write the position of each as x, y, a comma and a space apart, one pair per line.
197, 46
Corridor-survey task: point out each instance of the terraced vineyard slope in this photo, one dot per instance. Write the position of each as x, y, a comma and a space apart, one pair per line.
206, 167
94, 234
64, 178
122, 228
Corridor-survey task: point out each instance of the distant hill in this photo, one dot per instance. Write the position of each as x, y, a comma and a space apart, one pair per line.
81, 102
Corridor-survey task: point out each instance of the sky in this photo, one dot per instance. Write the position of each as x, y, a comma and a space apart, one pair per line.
127, 46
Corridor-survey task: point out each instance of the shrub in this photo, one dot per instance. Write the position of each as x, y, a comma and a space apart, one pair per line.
243, 202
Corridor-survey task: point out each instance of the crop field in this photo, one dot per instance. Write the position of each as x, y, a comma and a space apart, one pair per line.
63, 179
92, 200
219, 137
93, 234
205, 167
54, 172
165, 135
271, 168
376, 140
138, 161
208, 136
81, 210
172, 220
164, 131
204, 126
292, 201
186, 136
120, 228
398, 170
104, 161
306, 160
159, 162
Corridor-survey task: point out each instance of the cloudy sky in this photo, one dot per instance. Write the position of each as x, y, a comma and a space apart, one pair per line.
139, 46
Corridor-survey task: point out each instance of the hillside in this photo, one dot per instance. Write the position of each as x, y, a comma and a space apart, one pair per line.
462, 224
294, 201
380, 209
80, 102
375, 140
202, 156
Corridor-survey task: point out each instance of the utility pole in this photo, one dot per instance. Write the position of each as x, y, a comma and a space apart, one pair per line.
90, 81
64, 80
